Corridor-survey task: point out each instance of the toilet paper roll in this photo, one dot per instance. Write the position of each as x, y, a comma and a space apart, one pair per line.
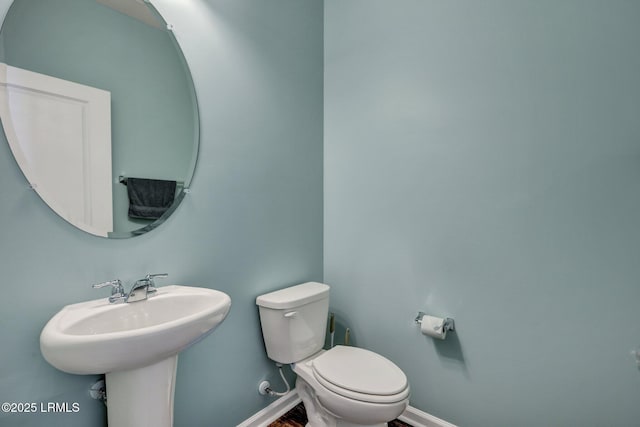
433, 326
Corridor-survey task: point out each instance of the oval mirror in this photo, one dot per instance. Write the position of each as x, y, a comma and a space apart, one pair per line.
99, 109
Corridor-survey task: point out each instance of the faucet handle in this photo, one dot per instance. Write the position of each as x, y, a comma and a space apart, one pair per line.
117, 291
115, 284
149, 278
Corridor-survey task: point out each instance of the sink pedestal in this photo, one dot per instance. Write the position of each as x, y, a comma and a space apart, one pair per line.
142, 397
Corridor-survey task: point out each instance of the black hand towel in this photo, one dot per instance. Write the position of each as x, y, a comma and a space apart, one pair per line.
149, 198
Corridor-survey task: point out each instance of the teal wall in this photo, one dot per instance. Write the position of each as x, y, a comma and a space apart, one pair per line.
482, 160
253, 222
152, 111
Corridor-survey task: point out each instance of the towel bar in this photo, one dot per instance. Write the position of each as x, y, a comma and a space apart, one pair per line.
123, 180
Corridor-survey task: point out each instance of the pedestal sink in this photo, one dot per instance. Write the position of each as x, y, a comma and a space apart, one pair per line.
136, 345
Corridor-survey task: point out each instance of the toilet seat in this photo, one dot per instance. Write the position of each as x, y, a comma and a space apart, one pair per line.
360, 374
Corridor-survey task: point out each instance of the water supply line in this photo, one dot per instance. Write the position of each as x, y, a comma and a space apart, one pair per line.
265, 386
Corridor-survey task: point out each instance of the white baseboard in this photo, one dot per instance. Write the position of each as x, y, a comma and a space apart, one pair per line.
272, 412
418, 418
411, 415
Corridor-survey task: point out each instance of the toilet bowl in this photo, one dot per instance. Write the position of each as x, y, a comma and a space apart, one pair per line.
340, 387
354, 386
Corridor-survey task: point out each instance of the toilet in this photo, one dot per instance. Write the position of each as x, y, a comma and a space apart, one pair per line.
340, 387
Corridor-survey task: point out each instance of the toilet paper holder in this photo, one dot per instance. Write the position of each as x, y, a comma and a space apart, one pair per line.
447, 323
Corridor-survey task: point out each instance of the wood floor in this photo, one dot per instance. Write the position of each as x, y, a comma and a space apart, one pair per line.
297, 417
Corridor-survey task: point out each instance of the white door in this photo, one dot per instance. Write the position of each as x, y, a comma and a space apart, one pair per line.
60, 134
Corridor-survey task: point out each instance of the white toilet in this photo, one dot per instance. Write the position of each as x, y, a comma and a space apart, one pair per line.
341, 387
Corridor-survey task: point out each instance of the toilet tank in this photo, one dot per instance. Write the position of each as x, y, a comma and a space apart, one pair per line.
294, 321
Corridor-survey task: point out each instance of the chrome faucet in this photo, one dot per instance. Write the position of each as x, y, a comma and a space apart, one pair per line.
140, 291
117, 291
144, 288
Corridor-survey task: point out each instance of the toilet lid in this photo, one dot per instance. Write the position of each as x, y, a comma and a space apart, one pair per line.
361, 371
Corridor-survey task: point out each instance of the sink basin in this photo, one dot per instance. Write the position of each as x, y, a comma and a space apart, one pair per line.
97, 337
135, 345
